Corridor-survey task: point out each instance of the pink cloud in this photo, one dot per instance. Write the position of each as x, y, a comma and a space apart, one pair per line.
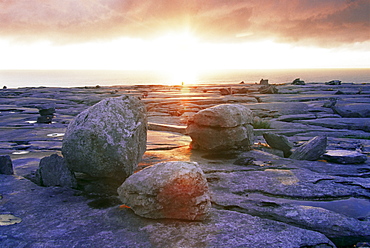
329, 22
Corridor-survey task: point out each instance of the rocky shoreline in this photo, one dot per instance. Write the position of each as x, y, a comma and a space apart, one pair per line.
265, 201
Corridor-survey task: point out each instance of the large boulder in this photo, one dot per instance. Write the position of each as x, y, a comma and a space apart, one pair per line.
174, 190
108, 139
222, 127
53, 171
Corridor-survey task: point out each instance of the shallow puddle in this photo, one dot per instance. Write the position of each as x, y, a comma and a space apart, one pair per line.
352, 207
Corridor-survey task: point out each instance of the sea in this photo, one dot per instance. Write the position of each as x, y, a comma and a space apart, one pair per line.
80, 78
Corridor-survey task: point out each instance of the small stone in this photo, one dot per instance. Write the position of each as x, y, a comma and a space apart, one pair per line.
279, 142
264, 81
45, 119
46, 110
53, 171
244, 161
6, 165
173, 190
345, 157
312, 150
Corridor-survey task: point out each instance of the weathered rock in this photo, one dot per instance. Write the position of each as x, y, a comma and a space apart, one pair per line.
222, 127
312, 150
108, 139
264, 81
279, 142
45, 119
334, 82
53, 171
6, 165
225, 91
46, 110
298, 81
268, 89
352, 110
225, 115
174, 190
345, 157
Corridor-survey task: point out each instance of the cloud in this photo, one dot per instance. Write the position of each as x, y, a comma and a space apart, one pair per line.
316, 22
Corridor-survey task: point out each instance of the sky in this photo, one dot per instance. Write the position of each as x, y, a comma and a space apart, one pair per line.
184, 36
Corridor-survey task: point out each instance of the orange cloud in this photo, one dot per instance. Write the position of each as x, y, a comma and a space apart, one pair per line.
317, 22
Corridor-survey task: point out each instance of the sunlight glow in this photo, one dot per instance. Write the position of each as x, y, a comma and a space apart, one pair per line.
179, 55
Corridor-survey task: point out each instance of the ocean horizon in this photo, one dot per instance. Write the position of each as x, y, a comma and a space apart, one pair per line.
81, 78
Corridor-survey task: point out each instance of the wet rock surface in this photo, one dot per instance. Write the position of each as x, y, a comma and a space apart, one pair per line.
258, 199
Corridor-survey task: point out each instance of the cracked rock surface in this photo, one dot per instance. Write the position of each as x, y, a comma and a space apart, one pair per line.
263, 200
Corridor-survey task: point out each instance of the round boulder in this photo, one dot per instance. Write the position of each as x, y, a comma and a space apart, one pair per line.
108, 139
174, 190
222, 127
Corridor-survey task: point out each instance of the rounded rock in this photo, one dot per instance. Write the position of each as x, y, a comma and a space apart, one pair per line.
173, 190
108, 139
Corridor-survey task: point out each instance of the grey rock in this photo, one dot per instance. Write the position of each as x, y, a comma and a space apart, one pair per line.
225, 91
222, 127
341, 123
233, 229
108, 139
279, 142
53, 171
298, 81
312, 150
334, 82
46, 110
264, 82
225, 115
352, 110
45, 119
268, 89
345, 157
173, 190
6, 165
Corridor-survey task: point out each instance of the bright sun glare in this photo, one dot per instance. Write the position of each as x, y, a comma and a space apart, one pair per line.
178, 57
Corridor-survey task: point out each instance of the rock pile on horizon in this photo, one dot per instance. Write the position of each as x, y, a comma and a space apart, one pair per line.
107, 139
222, 127
172, 190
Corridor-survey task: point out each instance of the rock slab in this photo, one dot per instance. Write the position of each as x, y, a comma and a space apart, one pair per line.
345, 157
222, 127
312, 150
107, 139
173, 190
279, 142
6, 165
53, 171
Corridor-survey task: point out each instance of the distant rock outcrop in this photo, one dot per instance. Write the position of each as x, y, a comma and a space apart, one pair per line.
334, 82
298, 81
108, 139
222, 127
173, 190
